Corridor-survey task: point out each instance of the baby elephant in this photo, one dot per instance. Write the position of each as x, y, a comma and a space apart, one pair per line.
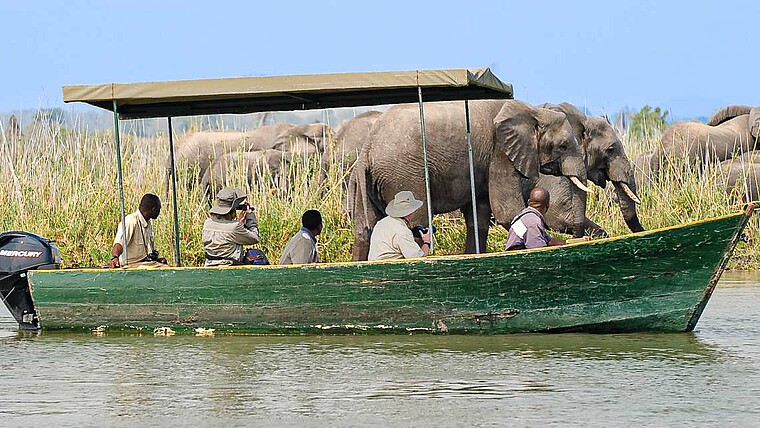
743, 176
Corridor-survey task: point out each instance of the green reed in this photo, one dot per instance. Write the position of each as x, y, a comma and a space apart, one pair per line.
61, 183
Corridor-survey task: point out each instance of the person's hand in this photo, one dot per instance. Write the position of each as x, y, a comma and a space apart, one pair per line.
426, 236
241, 216
114, 263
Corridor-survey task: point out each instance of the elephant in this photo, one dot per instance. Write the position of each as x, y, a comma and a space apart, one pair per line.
199, 149
347, 144
303, 140
255, 163
730, 131
512, 142
605, 161
646, 166
350, 137
743, 176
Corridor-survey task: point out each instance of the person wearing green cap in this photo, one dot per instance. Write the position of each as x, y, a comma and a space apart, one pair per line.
225, 233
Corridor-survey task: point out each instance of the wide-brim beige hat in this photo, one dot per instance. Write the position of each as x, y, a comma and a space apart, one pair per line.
227, 200
403, 204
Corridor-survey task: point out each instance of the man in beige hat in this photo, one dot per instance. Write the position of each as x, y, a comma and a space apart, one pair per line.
224, 233
137, 235
392, 237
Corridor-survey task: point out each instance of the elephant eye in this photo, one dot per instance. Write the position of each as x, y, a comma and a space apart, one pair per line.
610, 149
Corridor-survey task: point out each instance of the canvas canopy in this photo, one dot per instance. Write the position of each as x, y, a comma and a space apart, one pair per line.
283, 93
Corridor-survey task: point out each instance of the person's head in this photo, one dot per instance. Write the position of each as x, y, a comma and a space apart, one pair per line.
539, 199
403, 205
312, 220
227, 201
150, 206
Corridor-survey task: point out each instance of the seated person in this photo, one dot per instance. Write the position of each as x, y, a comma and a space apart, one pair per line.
528, 229
137, 235
224, 233
302, 247
392, 236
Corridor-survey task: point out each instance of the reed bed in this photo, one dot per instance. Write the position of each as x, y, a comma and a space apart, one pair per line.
61, 184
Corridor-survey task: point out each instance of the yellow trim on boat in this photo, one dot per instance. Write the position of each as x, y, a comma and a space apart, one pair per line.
429, 259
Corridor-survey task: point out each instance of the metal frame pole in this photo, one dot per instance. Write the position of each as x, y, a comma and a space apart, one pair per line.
425, 166
117, 138
472, 175
177, 259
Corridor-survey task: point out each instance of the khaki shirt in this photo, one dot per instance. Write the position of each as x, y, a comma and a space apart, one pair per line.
392, 239
302, 248
225, 238
139, 238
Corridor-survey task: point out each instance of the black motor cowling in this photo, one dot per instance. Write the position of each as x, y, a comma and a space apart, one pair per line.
19, 253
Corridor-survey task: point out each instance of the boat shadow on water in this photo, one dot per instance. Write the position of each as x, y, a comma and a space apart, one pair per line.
684, 347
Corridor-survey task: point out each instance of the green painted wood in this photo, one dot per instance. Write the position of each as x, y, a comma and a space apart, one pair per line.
650, 281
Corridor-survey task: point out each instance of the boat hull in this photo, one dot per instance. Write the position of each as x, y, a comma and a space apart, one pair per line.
649, 281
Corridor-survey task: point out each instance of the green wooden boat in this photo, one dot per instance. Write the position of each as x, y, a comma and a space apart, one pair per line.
659, 280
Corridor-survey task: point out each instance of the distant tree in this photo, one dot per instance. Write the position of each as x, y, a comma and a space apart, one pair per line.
13, 131
647, 122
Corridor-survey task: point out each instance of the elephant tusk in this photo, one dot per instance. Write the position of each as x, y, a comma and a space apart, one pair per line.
630, 193
580, 185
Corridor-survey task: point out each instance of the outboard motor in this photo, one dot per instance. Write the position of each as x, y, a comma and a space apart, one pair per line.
19, 253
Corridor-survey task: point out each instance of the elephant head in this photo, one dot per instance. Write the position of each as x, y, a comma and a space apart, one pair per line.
605, 159
529, 140
303, 140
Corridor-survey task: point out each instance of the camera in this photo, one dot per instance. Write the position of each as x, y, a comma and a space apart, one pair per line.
418, 230
243, 207
152, 256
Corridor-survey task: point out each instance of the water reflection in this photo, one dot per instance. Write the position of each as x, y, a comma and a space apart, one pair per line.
662, 379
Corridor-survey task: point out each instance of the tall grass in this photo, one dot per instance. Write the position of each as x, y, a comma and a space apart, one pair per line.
61, 184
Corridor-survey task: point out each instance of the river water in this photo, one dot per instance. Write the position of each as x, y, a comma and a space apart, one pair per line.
708, 378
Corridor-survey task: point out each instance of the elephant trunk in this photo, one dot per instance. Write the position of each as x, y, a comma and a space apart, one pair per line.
621, 175
628, 205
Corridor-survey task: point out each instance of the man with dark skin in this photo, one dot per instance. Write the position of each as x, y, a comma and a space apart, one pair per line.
139, 235
528, 229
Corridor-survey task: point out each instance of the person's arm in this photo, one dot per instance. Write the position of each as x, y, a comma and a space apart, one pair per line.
409, 248
536, 237
116, 251
118, 248
553, 242
425, 247
248, 231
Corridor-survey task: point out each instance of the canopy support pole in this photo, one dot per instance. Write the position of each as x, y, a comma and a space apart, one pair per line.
117, 138
472, 176
425, 166
173, 173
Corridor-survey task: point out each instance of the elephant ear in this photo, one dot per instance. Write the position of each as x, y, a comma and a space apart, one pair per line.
754, 122
516, 129
575, 117
577, 120
727, 113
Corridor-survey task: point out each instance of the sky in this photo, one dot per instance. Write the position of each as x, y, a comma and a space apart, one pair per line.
690, 57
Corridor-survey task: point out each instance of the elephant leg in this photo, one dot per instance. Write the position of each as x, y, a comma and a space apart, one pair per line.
484, 221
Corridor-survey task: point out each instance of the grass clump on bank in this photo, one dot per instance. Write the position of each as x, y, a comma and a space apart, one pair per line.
61, 184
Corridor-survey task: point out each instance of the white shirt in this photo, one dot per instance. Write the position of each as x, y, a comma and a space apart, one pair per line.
392, 239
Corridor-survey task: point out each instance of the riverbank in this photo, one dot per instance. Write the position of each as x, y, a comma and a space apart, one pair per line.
61, 184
